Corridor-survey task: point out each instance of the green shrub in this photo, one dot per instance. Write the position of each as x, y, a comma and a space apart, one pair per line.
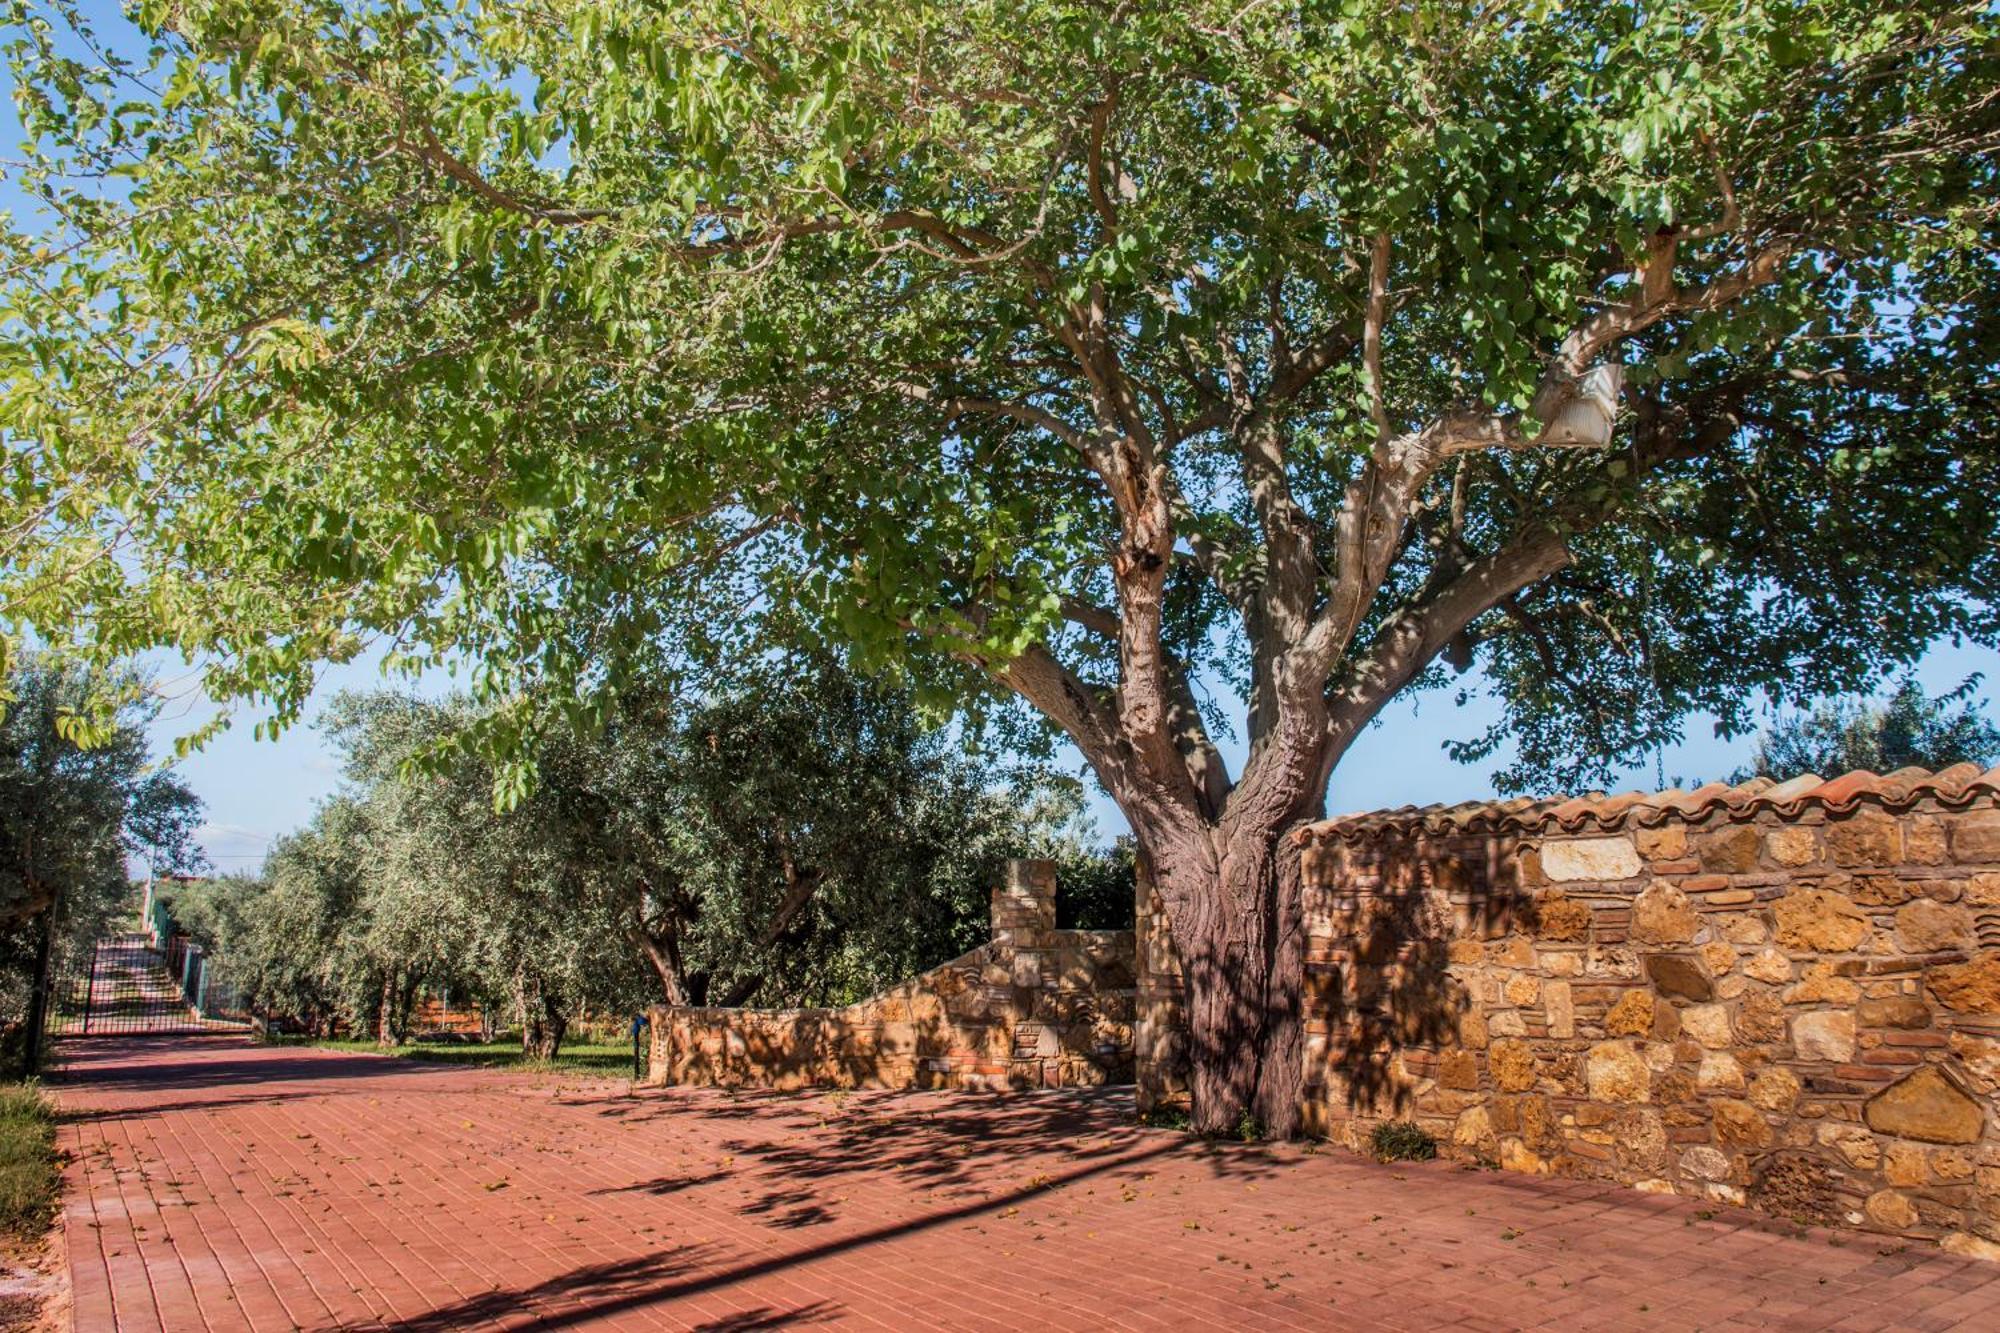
1403, 1141
1166, 1117
28, 1178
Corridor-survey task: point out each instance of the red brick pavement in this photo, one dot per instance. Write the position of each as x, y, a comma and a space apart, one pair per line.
222, 1185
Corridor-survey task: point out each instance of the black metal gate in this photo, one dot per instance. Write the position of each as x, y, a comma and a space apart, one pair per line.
122, 984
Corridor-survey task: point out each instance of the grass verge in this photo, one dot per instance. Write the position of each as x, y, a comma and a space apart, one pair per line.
28, 1176
611, 1058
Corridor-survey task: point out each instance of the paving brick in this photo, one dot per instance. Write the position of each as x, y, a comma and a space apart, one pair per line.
218, 1185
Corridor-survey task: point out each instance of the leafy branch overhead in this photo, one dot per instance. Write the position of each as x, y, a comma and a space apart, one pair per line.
566, 339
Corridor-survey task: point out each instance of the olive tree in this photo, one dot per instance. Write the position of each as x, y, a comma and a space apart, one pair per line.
1165, 367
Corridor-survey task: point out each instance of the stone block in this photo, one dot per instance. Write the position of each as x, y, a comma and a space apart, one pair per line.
1927, 1106
1679, 975
1792, 846
1597, 859
1769, 965
1925, 926
1513, 1066
1560, 1008
1740, 1125
1894, 1011
1775, 1089
1705, 1163
1975, 838
1888, 1209
1707, 1024
1924, 841
1614, 1072
1666, 843
1819, 921
1560, 917
1967, 988
1822, 985
1458, 1069
1730, 851
1631, 1016
1824, 1035
1865, 839
1662, 914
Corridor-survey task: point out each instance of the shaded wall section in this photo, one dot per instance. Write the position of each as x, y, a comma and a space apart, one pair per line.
1035, 1007
1782, 996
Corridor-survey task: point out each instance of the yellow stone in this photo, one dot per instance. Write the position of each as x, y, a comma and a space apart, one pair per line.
1632, 1016
1891, 1210
1903, 1164
1792, 846
1822, 985
1614, 1072
1720, 957
1923, 840
1666, 843
1819, 920
1951, 1164
1663, 915
1769, 965
1775, 1089
1513, 1066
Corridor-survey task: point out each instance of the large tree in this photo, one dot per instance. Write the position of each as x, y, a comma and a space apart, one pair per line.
1124, 359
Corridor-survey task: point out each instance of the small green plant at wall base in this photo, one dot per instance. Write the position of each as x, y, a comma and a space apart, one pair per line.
27, 1162
1402, 1141
1248, 1129
1165, 1117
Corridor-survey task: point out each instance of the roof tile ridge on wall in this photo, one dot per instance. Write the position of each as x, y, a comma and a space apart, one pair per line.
1956, 788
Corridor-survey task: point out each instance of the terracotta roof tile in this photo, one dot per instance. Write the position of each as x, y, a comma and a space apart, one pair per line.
1957, 787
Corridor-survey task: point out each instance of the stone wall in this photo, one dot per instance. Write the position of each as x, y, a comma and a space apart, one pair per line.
1787, 997
1035, 1007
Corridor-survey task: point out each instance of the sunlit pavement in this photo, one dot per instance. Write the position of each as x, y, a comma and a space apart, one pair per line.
217, 1184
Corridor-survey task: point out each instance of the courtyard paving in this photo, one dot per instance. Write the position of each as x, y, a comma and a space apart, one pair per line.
217, 1184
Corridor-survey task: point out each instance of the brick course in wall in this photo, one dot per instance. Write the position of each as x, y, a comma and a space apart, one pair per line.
1035, 1007
1780, 996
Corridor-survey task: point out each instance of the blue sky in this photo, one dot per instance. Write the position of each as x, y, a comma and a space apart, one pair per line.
257, 790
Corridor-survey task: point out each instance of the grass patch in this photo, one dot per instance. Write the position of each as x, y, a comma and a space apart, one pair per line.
1402, 1141
28, 1177
587, 1057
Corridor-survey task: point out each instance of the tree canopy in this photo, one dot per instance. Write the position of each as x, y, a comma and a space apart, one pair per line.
1161, 365
805, 841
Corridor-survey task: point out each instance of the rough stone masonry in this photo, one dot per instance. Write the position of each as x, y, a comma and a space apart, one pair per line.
1781, 996
1035, 1007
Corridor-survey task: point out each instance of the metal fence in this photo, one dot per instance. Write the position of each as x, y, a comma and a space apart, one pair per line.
153, 981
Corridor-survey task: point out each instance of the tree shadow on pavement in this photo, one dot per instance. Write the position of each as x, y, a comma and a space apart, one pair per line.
601, 1290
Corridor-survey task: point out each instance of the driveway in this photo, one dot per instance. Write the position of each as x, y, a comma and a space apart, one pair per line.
218, 1184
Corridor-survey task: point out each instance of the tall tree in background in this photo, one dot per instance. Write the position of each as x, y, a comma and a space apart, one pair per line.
1908, 729
1160, 366
76, 800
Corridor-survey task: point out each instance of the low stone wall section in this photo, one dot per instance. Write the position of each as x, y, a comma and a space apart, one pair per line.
1786, 997
1035, 1007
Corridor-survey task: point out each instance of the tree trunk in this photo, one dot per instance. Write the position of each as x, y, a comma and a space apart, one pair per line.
1236, 926
385, 1006
550, 1027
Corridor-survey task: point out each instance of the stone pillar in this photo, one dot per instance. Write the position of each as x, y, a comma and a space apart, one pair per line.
1159, 1051
1024, 904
